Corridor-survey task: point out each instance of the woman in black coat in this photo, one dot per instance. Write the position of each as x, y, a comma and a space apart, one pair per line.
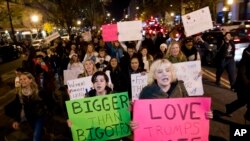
100, 82
134, 68
225, 60
117, 75
28, 106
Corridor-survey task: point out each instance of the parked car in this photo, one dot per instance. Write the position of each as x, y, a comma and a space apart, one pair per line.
241, 40
214, 39
9, 52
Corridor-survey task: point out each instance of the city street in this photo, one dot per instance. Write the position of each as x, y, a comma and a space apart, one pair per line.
58, 58
219, 126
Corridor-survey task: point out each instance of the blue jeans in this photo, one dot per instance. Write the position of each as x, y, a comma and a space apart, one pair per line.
229, 65
38, 127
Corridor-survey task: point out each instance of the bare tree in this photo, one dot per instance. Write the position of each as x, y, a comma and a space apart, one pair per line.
12, 33
65, 12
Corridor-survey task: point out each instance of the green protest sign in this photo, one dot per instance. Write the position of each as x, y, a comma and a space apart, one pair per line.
100, 118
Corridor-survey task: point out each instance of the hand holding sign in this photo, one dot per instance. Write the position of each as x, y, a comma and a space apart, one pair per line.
172, 119
100, 117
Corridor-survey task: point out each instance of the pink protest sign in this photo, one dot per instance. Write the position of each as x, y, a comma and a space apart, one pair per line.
172, 119
109, 32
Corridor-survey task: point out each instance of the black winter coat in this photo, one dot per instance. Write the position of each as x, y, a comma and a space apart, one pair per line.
222, 52
153, 91
242, 84
34, 108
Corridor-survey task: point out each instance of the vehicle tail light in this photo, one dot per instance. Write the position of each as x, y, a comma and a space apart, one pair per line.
236, 40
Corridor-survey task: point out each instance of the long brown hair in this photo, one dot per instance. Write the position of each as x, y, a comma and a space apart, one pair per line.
33, 85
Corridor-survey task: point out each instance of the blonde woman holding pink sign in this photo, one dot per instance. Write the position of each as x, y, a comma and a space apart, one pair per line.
162, 83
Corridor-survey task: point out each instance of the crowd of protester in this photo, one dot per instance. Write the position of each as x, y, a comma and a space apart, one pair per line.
41, 74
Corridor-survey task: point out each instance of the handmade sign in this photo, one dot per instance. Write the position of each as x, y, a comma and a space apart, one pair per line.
190, 73
77, 88
100, 118
197, 21
138, 82
129, 31
70, 75
52, 37
171, 119
87, 36
109, 32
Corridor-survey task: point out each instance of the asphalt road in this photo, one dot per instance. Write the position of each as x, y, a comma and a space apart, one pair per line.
10, 66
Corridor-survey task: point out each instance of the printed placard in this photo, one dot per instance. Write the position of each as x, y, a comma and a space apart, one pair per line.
129, 31
197, 21
190, 73
109, 32
100, 117
171, 119
138, 82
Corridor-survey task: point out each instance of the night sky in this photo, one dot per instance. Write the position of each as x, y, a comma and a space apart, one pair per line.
116, 8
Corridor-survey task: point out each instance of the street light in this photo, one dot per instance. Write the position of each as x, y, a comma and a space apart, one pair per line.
230, 2
34, 18
79, 22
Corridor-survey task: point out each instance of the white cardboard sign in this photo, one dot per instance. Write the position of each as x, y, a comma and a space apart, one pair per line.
197, 21
52, 37
138, 82
70, 75
189, 72
129, 31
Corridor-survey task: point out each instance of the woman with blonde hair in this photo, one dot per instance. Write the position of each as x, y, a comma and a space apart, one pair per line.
91, 54
89, 68
162, 82
174, 53
28, 106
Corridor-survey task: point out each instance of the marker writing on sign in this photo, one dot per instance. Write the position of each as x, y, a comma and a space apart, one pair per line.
183, 129
100, 104
102, 133
175, 110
